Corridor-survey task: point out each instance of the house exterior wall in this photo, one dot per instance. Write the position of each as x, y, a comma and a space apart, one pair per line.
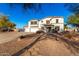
26, 29
60, 23
61, 26
32, 27
60, 20
36, 27
43, 21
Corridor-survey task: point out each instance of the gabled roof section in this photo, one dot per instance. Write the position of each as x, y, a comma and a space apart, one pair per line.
55, 17
52, 17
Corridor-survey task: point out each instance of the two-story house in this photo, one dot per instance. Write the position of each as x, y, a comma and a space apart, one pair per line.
47, 24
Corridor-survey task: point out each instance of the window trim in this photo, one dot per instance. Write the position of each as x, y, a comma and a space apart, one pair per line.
57, 20
34, 22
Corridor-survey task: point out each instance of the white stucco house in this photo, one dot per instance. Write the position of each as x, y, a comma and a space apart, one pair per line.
46, 24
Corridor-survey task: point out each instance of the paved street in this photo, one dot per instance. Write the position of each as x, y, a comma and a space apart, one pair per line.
8, 36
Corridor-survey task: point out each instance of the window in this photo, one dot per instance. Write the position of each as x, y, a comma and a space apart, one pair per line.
42, 21
50, 19
47, 22
33, 22
56, 20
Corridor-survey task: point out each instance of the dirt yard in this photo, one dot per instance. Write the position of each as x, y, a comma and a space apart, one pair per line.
49, 47
8, 36
46, 46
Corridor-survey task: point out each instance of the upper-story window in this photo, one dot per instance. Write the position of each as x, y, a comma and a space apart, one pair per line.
33, 22
42, 21
47, 21
56, 20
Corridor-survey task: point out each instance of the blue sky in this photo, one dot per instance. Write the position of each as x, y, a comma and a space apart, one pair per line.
21, 18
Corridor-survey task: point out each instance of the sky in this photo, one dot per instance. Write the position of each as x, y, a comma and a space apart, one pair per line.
21, 17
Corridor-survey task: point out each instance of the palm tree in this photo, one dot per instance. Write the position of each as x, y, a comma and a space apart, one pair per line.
25, 6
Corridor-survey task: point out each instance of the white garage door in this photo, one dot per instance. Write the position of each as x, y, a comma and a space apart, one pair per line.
34, 29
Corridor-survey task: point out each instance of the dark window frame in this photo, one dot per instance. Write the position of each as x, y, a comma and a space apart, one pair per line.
34, 22
57, 21
42, 21
47, 21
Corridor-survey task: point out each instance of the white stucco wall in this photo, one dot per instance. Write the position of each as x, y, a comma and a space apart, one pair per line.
60, 20
34, 29
26, 29
44, 20
61, 26
60, 23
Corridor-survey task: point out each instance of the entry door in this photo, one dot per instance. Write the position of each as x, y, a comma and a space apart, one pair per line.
48, 29
57, 28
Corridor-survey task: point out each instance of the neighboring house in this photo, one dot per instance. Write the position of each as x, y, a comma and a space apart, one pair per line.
47, 24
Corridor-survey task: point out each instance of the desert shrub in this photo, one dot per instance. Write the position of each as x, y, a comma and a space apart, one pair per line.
68, 35
21, 37
38, 32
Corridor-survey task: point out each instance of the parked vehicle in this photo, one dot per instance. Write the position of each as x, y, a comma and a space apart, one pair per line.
21, 30
6, 29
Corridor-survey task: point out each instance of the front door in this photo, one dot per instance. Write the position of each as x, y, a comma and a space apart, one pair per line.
48, 29
57, 28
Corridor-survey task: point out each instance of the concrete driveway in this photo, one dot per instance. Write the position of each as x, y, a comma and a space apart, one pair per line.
8, 36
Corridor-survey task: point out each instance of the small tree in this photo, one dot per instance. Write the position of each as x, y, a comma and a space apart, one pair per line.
5, 22
11, 25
